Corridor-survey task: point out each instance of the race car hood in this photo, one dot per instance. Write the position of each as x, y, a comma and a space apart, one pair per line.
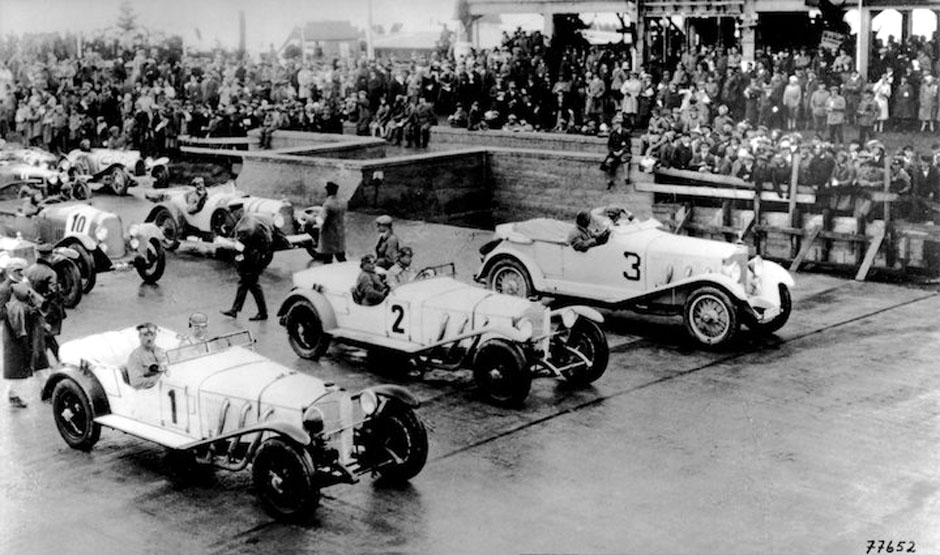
336, 278
449, 295
665, 243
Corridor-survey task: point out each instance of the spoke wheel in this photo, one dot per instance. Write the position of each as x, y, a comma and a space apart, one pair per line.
285, 480
510, 277
119, 181
500, 370
305, 331
74, 417
170, 227
710, 317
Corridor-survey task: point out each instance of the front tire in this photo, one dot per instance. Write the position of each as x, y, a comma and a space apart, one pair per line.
119, 181
73, 416
81, 190
222, 223
778, 321
151, 270
397, 434
305, 331
710, 318
509, 277
285, 480
587, 338
170, 227
501, 372
70, 282
86, 267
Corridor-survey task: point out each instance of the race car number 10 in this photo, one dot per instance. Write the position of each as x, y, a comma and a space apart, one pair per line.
633, 266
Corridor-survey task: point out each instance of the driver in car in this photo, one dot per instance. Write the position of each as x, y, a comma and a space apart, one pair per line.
198, 330
196, 199
611, 216
581, 238
370, 288
401, 271
147, 361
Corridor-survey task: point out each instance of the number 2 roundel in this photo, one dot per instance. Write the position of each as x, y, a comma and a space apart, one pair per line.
632, 272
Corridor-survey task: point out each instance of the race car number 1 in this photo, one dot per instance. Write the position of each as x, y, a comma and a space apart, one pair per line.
633, 266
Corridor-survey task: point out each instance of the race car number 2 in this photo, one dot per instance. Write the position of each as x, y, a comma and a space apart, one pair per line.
399, 314
633, 266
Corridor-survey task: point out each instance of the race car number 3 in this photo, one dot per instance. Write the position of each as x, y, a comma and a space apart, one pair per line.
890, 546
633, 266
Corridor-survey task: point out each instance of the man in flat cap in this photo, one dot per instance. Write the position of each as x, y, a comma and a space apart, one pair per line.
198, 330
13, 332
332, 241
386, 249
43, 279
148, 361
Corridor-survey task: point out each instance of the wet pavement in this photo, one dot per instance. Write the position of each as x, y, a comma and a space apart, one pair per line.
816, 440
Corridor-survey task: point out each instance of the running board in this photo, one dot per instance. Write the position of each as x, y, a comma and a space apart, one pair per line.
156, 434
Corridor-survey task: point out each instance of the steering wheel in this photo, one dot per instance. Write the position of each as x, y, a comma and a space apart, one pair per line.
426, 273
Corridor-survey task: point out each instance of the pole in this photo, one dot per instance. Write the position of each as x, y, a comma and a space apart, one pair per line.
861, 41
370, 49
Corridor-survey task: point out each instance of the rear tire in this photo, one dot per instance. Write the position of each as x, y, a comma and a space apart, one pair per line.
74, 416
509, 277
501, 372
285, 480
305, 331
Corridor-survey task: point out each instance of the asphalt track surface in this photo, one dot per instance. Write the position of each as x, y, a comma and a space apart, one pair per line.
816, 440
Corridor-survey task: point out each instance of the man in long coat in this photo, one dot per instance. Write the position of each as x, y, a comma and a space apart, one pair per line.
14, 331
332, 241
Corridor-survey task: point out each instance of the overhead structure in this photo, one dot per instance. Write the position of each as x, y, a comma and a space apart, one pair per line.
743, 20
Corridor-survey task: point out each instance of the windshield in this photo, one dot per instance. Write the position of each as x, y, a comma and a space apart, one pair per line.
215, 345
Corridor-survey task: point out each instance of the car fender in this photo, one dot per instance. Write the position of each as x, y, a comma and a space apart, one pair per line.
151, 164
105, 171
86, 380
148, 230
724, 282
319, 302
71, 238
501, 253
295, 433
172, 208
776, 274
580, 310
394, 392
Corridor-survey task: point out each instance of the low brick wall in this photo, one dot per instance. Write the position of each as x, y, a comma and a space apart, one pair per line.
449, 187
444, 138
533, 184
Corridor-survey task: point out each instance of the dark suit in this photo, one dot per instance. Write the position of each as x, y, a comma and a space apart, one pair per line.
255, 235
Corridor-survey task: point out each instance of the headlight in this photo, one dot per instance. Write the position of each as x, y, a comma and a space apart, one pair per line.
368, 402
101, 234
313, 420
569, 318
134, 230
732, 269
524, 325
135, 242
279, 220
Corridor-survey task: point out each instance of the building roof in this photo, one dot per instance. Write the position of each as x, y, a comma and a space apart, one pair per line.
425, 40
322, 31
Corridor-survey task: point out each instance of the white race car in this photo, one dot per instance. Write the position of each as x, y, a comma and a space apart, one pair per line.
443, 322
222, 404
118, 169
643, 268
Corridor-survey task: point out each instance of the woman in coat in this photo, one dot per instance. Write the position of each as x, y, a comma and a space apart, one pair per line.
882, 90
904, 107
927, 112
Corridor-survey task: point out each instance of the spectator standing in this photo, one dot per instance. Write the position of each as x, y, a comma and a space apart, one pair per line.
631, 98
792, 99
618, 152
13, 333
255, 238
835, 115
904, 106
927, 109
882, 90
818, 103
332, 241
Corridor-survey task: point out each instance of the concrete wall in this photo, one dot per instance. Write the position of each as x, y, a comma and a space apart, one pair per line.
532, 184
437, 187
300, 180
444, 138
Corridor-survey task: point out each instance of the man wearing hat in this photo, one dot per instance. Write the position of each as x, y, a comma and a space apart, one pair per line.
16, 359
43, 279
386, 249
618, 151
198, 330
835, 115
148, 361
332, 241
866, 113
370, 288
254, 236
402, 271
